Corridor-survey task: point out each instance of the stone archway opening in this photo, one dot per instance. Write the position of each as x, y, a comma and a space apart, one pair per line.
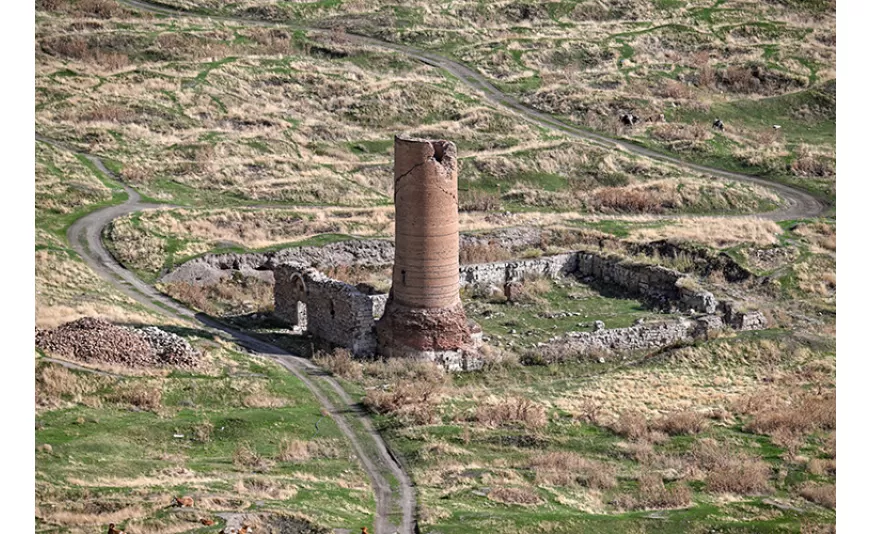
298, 293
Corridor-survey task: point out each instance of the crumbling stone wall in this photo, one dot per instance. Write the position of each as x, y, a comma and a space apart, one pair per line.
649, 282
742, 319
501, 272
335, 311
632, 338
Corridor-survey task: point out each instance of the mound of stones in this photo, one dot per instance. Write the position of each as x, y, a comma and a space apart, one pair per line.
94, 340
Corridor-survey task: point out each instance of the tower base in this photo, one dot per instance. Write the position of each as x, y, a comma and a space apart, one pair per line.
441, 335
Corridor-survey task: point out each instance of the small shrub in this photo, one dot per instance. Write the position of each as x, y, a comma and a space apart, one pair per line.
653, 493
676, 90
807, 414
483, 253
203, 431
820, 467
531, 290
101, 9
246, 457
729, 471
141, 395
477, 200
108, 113
410, 401
340, 363
519, 496
294, 450
631, 425
682, 423
567, 468
56, 381
512, 411
622, 199
824, 494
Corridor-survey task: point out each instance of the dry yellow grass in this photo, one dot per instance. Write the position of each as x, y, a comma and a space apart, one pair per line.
716, 232
67, 289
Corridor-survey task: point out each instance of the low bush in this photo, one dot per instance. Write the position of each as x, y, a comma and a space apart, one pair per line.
520, 496
653, 494
631, 425
806, 414
682, 423
483, 253
341, 363
512, 411
824, 494
476, 200
568, 468
410, 401
730, 471
145, 396
245, 457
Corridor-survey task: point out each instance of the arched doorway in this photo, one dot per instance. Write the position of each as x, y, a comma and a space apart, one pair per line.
298, 293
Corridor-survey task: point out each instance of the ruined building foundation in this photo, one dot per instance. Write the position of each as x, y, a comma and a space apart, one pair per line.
424, 317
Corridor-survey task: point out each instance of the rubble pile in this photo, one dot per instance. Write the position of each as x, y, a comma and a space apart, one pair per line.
94, 340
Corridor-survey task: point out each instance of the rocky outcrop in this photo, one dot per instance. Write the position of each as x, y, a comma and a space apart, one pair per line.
740, 319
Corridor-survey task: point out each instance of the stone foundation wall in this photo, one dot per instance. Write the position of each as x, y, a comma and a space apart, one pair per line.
632, 338
649, 282
335, 311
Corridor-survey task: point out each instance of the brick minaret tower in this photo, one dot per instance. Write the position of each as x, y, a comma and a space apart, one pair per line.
424, 316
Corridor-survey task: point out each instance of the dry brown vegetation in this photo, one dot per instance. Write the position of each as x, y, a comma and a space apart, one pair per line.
341, 363
519, 496
301, 451
652, 494
483, 253
227, 297
789, 419
682, 423
512, 411
416, 403
246, 458
824, 494
569, 468
142, 395
727, 470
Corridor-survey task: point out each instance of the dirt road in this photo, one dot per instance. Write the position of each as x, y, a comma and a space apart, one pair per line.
394, 493
797, 204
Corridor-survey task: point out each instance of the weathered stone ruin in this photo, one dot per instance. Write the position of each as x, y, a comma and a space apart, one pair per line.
424, 317
331, 310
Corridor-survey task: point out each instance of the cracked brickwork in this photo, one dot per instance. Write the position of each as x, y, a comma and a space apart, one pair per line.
424, 316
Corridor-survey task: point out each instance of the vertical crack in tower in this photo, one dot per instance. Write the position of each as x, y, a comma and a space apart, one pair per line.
424, 317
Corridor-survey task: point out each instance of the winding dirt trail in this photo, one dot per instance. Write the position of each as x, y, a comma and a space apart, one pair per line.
798, 204
394, 493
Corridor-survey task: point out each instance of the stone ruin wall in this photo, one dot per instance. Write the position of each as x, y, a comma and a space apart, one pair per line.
632, 338
649, 282
345, 316
333, 311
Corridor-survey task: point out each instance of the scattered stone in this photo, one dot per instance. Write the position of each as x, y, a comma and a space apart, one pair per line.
597, 326
95, 340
